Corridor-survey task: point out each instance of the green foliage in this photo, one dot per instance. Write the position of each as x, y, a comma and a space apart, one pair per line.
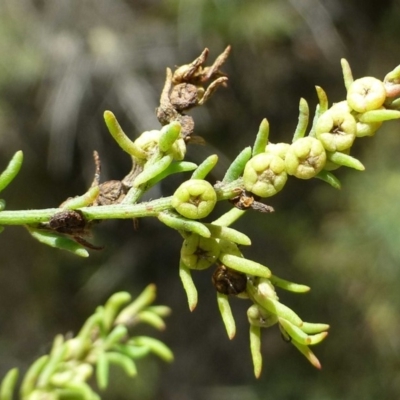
105, 340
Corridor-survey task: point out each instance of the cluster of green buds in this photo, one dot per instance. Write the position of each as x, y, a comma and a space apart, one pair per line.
327, 146
258, 172
103, 340
153, 153
262, 172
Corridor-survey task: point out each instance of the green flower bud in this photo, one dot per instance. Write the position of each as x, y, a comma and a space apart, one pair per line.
366, 94
278, 149
178, 150
194, 199
342, 106
198, 252
146, 144
265, 175
305, 158
336, 130
261, 317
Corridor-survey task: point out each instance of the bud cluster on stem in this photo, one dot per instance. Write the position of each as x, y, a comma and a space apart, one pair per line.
257, 173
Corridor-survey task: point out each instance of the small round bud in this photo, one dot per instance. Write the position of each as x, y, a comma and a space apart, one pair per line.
147, 144
261, 317
342, 106
198, 252
336, 130
194, 199
366, 94
305, 158
265, 175
178, 150
278, 149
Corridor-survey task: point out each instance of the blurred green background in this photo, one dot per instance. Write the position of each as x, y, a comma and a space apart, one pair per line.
62, 63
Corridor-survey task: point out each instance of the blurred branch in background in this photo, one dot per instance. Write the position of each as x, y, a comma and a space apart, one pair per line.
63, 63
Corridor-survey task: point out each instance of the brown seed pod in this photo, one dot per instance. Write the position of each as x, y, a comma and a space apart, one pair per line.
228, 281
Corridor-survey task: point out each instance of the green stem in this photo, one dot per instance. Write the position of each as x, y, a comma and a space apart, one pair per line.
116, 211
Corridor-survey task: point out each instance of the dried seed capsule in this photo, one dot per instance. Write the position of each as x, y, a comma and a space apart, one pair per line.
228, 281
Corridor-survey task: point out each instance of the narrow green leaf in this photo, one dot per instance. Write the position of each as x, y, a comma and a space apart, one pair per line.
205, 167
102, 370
255, 349
113, 307
229, 217
82, 390
169, 134
156, 346
152, 319
183, 224
58, 241
261, 138
11, 170
311, 328
295, 332
244, 265
133, 351
236, 169
152, 170
222, 232
29, 382
118, 134
323, 100
57, 355
304, 115
188, 285
226, 314
119, 333
174, 168
379, 115
329, 178
8, 384
344, 159
129, 313
305, 350
290, 286
123, 361
347, 74
162, 311
82, 201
